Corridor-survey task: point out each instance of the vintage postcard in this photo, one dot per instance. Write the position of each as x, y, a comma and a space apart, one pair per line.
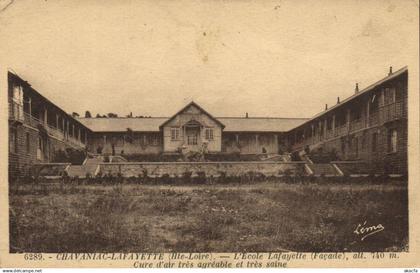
209, 134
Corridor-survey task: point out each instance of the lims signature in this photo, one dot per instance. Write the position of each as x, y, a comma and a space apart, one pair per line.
366, 231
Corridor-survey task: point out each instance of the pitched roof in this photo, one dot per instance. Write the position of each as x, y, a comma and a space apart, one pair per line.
365, 90
369, 88
192, 103
260, 124
14, 76
122, 124
232, 124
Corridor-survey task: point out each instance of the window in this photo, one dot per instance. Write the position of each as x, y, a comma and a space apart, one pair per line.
13, 141
374, 103
321, 130
374, 141
209, 133
142, 139
153, 140
28, 143
363, 140
329, 123
382, 101
392, 95
356, 146
17, 102
343, 145
392, 140
356, 113
340, 119
389, 95
40, 148
175, 134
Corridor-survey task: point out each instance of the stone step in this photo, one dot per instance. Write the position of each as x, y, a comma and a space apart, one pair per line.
82, 170
49, 169
323, 169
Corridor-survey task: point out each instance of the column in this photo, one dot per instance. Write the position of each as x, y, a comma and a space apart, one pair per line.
45, 116
30, 108
256, 143
325, 128
79, 135
86, 137
320, 130
348, 119
276, 143
368, 113
237, 138
312, 133
333, 125
56, 121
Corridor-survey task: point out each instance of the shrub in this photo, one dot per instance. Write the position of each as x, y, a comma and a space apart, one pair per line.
165, 178
200, 178
222, 177
70, 155
186, 177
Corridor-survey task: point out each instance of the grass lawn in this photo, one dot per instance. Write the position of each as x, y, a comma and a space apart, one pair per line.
265, 216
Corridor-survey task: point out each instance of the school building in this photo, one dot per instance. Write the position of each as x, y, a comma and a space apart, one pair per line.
370, 127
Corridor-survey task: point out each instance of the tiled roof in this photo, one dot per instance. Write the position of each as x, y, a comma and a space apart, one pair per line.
260, 124
365, 90
121, 124
233, 124
199, 107
361, 92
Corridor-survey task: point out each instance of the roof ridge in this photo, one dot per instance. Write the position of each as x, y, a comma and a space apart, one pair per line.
168, 117
263, 117
121, 117
368, 88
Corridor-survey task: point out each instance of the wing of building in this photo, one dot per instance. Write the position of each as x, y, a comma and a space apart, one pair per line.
370, 126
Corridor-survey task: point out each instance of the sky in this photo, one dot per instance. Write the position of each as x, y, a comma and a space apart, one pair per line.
268, 58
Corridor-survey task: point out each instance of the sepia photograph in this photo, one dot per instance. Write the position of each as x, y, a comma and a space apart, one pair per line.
208, 126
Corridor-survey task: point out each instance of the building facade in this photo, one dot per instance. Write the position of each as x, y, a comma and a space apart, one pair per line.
370, 126
192, 129
39, 131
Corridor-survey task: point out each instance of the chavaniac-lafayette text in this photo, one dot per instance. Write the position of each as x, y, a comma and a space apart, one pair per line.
110, 256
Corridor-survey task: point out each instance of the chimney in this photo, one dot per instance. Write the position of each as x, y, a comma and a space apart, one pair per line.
390, 70
246, 115
326, 107
338, 100
356, 90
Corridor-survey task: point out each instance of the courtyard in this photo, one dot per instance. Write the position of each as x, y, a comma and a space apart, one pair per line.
275, 215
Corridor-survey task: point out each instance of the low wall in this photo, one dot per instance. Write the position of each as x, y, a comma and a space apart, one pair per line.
157, 169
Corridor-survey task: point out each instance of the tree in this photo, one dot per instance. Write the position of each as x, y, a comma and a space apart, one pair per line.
112, 115
75, 115
88, 114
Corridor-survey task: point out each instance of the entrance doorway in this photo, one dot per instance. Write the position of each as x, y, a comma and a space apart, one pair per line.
192, 139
